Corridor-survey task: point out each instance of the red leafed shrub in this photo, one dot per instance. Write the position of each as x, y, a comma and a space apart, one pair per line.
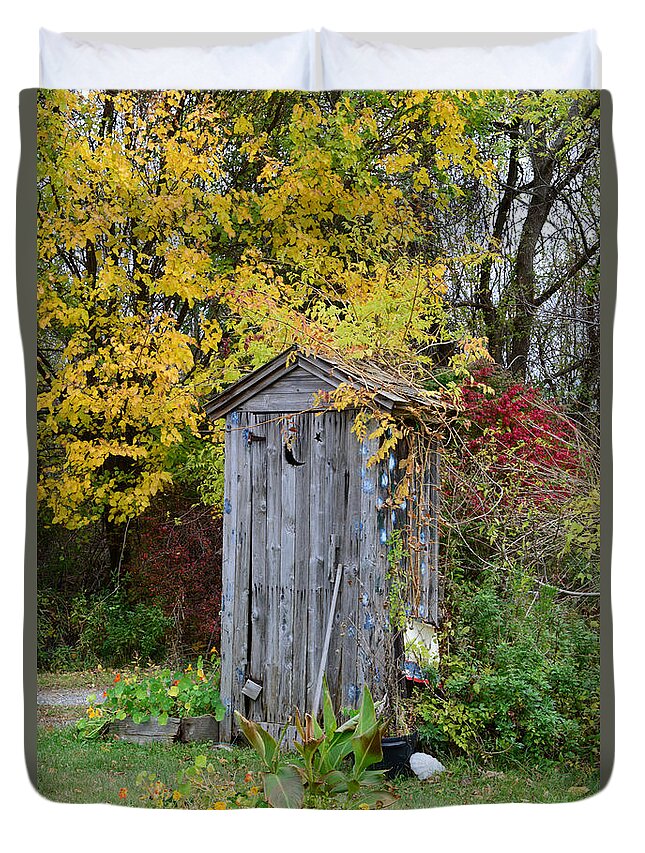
517, 444
177, 561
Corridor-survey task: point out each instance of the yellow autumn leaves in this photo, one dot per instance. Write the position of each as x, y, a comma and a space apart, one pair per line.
114, 407
186, 237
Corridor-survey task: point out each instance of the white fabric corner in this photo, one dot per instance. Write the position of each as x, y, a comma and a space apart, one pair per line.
564, 62
284, 62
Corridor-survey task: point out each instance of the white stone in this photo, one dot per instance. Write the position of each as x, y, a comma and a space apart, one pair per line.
424, 766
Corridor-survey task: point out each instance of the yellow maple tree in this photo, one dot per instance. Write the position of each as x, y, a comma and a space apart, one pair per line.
185, 237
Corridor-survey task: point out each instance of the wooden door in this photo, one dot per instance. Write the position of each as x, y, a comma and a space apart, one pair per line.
292, 515
284, 596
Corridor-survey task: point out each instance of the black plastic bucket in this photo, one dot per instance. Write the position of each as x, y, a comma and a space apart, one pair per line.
396, 755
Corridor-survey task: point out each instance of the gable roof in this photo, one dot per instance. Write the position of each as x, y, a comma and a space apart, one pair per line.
390, 392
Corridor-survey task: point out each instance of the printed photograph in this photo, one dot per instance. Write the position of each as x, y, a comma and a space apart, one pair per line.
318, 448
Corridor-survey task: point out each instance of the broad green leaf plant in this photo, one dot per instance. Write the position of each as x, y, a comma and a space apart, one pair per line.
324, 778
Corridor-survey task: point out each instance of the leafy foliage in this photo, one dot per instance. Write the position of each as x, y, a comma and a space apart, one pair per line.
85, 630
519, 672
184, 237
520, 677
523, 483
164, 694
526, 441
175, 560
322, 780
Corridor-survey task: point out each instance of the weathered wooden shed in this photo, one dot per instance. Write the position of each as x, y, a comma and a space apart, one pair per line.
303, 506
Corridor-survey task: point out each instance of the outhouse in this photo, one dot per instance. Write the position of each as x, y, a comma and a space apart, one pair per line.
327, 550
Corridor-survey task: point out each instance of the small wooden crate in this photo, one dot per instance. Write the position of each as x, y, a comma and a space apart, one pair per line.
205, 727
146, 732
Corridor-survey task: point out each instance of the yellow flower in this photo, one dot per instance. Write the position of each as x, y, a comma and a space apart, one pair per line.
364, 806
219, 805
176, 795
254, 790
189, 668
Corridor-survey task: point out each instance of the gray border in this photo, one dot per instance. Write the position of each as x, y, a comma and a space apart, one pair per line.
608, 288
26, 199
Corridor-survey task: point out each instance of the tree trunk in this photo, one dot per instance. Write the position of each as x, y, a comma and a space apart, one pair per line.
493, 321
116, 539
523, 281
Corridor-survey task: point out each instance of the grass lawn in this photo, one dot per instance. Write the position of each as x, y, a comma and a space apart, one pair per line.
75, 771
466, 783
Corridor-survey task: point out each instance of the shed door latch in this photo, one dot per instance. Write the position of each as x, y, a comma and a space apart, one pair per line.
249, 436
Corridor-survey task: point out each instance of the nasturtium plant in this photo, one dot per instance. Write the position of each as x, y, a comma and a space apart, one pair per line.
191, 692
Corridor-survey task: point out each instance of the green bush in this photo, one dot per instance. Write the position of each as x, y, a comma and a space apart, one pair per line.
520, 677
117, 632
83, 631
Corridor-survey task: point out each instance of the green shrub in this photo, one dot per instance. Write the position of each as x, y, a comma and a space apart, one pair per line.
60, 620
117, 633
520, 677
83, 631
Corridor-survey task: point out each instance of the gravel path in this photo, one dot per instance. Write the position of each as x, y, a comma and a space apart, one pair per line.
65, 696
54, 704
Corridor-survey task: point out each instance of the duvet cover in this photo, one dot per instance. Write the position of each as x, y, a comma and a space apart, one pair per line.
318, 446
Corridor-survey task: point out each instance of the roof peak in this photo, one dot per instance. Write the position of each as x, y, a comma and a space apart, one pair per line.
390, 391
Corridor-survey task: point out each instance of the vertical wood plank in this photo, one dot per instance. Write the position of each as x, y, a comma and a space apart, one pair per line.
386, 526
228, 570
350, 587
272, 674
319, 503
370, 662
242, 562
434, 526
381, 604
420, 531
426, 536
259, 616
303, 499
287, 584
336, 450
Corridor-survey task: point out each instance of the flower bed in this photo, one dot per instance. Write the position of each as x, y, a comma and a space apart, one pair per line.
157, 703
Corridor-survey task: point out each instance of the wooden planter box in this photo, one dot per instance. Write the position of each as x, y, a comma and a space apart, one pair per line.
205, 727
146, 732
